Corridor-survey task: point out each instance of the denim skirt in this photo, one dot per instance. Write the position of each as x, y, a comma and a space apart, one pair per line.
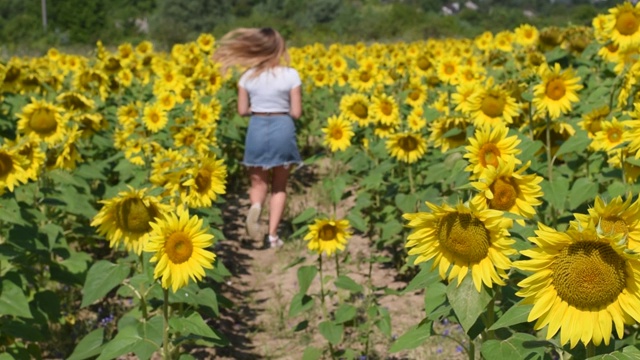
271, 142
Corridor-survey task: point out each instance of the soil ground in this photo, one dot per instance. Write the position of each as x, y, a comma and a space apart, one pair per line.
264, 281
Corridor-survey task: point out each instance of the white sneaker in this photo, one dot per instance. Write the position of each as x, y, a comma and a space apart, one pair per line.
252, 223
275, 243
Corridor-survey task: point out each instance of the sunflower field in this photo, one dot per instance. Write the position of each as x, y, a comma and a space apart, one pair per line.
498, 175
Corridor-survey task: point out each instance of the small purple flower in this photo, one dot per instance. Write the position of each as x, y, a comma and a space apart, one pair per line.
459, 349
445, 332
439, 350
362, 357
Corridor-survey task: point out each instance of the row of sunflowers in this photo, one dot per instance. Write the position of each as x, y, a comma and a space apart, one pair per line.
114, 169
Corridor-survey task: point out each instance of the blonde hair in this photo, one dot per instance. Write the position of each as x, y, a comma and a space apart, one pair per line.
257, 48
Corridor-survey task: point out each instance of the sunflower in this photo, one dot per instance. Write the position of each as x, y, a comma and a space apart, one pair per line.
206, 181
42, 121
12, 171
125, 218
557, 90
155, 118
206, 42
488, 145
444, 134
328, 236
527, 35
385, 110
384, 131
448, 70
167, 168
338, 133
167, 100
623, 25
75, 101
32, 153
619, 216
462, 239
406, 147
464, 94
179, 245
362, 79
128, 114
503, 188
416, 120
612, 134
416, 93
68, 156
592, 121
582, 282
492, 105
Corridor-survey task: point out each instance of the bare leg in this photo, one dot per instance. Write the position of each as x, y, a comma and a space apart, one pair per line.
258, 190
278, 197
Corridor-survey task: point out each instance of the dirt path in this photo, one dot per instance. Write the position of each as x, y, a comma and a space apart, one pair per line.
264, 281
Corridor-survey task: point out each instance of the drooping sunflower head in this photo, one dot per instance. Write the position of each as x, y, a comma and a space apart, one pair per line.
125, 218
449, 132
582, 282
550, 37
179, 243
75, 101
592, 121
31, 151
207, 179
42, 121
406, 147
12, 171
328, 235
338, 133
462, 239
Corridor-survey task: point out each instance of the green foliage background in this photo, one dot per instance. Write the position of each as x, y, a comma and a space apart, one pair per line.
167, 22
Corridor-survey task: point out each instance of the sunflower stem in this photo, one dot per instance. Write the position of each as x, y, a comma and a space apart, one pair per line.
531, 121
549, 159
591, 350
165, 328
411, 186
143, 302
337, 265
624, 178
324, 307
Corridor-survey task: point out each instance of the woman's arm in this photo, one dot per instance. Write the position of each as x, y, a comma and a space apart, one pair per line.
243, 102
295, 102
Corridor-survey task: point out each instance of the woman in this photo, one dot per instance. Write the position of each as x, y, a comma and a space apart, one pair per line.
270, 93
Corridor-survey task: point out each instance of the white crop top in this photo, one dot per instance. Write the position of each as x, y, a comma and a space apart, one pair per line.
270, 91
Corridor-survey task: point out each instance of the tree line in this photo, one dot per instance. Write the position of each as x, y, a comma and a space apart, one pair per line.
166, 22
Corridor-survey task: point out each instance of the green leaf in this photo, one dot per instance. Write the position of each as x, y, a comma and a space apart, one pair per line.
335, 187
311, 353
347, 283
193, 324
300, 303
10, 212
345, 312
331, 331
306, 274
207, 297
140, 337
89, 346
423, 279
467, 303
305, 216
357, 221
413, 338
556, 191
616, 188
434, 296
384, 322
519, 346
101, 278
516, 314
575, 144
582, 191
406, 203
13, 302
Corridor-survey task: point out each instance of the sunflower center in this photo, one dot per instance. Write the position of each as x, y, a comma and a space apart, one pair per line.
556, 89
489, 154
408, 143
423, 63
414, 95
365, 76
155, 118
134, 216
465, 236
327, 232
449, 69
6, 164
203, 180
614, 135
336, 133
178, 247
505, 193
627, 23
386, 108
613, 225
360, 110
43, 121
493, 105
589, 274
